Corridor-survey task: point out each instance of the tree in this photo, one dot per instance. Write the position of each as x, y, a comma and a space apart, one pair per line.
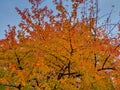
59, 51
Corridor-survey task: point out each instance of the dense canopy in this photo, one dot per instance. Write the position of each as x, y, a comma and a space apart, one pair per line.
60, 50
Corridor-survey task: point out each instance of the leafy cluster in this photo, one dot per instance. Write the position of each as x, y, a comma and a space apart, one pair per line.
59, 51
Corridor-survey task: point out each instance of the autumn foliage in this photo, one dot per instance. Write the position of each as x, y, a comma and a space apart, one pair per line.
58, 50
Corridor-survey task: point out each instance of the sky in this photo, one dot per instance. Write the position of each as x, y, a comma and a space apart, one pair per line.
8, 14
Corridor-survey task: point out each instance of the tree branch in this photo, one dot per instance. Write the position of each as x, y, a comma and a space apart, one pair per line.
11, 85
105, 61
106, 69
18, 61
95, 60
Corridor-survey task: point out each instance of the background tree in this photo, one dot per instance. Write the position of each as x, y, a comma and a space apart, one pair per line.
59, 50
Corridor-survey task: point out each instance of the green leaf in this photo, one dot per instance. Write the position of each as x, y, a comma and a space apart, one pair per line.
2, 87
